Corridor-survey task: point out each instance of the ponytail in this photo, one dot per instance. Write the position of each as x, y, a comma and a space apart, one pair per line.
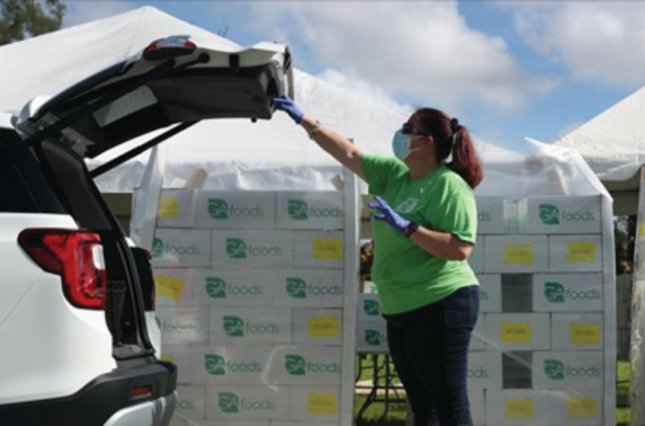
464, 158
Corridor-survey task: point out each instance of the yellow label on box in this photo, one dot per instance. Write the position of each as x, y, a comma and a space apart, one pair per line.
327, 248
581, 252
322, 403
641, 230
515, 332
167, 358
323, 327
519, 254
585, 334
168, 207
169, 287
517, 409
582, 407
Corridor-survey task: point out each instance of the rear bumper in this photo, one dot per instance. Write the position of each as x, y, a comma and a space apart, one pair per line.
107, 400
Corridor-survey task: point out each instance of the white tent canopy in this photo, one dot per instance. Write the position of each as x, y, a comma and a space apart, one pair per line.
235, 154
613, 144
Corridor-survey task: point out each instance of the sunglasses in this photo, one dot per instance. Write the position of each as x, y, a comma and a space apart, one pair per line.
407, 129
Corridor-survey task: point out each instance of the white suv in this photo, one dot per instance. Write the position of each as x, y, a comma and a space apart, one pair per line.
75, 346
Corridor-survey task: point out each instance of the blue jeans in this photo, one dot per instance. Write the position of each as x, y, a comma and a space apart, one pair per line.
429, 349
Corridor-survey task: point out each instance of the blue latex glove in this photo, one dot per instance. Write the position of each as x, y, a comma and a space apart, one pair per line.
387, 213
286, 104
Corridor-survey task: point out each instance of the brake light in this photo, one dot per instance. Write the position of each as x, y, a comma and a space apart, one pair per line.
76, 256
169, 47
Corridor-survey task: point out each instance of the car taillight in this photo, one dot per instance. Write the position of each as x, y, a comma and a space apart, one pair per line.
169, 47
76, 256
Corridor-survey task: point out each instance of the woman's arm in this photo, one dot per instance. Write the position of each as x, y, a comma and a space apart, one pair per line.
337, 145
441, 244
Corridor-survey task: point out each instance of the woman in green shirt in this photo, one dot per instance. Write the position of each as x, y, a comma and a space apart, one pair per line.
425, 224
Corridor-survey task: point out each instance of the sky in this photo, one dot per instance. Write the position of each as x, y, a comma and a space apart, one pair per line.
506, 69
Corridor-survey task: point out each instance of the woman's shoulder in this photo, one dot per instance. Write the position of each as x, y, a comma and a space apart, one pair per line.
452, 179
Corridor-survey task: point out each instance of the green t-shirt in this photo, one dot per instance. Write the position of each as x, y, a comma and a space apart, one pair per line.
407, 276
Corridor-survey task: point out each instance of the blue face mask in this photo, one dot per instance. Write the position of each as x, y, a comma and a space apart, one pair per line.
401, 145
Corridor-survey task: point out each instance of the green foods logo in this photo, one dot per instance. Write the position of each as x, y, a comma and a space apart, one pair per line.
237, 248
371, 307
217, 288
555, 369
221, 210
230, 403
297, 365
298, 288
159, 248
372, 337
237, 327
217, 365
300, 210
483, 216
557, 293
552, 215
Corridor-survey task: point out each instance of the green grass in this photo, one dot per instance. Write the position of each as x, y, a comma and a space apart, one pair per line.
623, 373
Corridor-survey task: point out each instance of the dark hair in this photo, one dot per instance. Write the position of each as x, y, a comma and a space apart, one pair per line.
449, 136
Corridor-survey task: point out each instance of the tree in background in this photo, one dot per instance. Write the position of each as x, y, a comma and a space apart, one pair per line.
624, 237
20, 19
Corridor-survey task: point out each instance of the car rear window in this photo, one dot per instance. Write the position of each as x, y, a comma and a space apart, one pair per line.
23, 188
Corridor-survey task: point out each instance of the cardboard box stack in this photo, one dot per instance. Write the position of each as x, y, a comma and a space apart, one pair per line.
250, 292
548, 321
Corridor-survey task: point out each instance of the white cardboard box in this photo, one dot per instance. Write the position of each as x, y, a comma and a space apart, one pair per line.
183, 325
484, 370
251, 249
371, 337
577, 407
577, 331
240, 402
516, 253
318, 249
181, 248
231, 287
568, 292
304, 365
477, 406
519, 407
172, 287
310, 210
180, 356
560, 214
369, 308
317, 326
476, 259
518, 331
490, 215
235, 209
176, 208
568, 370
191, 402
490, 292
575, 253
236, 364
235, 326
313, 288
307, 423
478, 337
314, 403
